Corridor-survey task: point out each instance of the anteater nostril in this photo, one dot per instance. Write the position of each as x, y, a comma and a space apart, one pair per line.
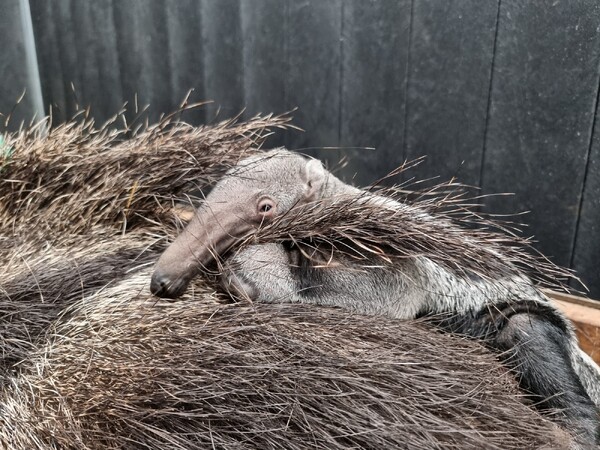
159, 284
164, 286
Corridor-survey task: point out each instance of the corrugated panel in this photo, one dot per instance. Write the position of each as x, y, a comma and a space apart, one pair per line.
313, 75
264, 57
374, 68
542, 108
451, 57
586, 250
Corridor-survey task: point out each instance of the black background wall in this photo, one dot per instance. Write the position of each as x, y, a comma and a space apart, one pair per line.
500, 93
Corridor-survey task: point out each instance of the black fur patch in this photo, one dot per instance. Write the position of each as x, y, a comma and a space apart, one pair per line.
489, 320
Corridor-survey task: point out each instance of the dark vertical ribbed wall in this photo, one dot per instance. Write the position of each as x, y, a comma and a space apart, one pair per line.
502, 94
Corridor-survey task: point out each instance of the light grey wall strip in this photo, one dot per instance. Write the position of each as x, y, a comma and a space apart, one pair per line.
34, 86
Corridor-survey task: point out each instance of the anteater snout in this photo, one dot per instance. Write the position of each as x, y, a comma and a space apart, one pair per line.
162, 285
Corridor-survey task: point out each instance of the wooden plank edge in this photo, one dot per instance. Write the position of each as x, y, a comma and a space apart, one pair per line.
574, 299
585, 315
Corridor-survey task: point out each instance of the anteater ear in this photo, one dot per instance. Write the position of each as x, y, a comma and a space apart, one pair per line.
314, 176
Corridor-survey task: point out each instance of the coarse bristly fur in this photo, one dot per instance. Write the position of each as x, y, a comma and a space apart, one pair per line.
90, 360
75, 176
123, 370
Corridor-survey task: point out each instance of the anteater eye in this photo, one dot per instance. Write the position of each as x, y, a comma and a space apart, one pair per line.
266, 207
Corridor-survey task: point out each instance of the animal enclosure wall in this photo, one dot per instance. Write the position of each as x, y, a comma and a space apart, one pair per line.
501, 94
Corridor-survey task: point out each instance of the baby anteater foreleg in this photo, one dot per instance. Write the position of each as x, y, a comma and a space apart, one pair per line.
538, 351
535, 342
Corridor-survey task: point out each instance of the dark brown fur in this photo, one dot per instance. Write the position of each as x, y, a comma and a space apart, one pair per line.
123, 370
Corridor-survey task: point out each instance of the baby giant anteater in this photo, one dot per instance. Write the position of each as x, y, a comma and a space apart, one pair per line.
423, 265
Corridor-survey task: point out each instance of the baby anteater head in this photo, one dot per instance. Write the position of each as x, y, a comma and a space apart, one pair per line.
253, 193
